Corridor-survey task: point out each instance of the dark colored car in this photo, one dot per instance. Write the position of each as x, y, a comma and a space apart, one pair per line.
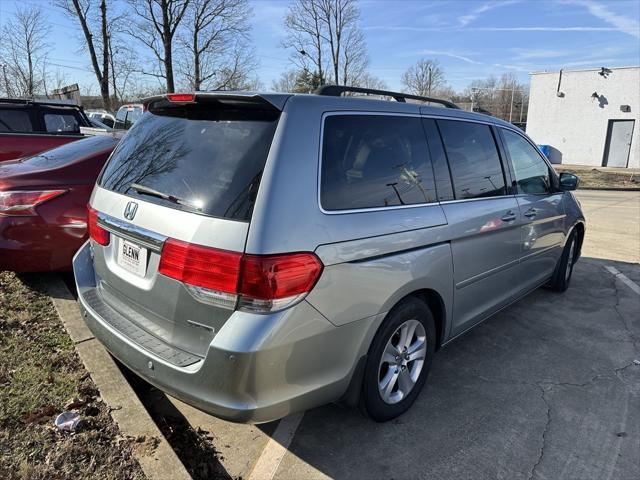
43, 204
28, 127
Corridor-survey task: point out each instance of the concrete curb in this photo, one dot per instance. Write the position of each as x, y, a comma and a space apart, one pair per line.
127, 411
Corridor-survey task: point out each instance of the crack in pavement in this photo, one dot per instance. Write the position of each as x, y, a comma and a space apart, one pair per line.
619, 314
544, 433
543, 395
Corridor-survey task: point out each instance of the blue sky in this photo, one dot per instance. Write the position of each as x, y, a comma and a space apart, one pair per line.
471, 38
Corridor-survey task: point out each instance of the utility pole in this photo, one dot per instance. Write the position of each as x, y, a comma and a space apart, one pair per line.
521, 106
513, 87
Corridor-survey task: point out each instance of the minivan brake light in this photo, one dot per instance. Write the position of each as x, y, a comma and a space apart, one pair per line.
181, 97
256, 283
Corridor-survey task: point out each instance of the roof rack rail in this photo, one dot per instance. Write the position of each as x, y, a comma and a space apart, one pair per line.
338, 90
49, 101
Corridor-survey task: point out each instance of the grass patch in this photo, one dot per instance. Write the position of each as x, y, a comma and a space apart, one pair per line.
40, 373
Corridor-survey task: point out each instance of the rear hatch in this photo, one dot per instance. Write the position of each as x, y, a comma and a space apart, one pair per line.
175, 200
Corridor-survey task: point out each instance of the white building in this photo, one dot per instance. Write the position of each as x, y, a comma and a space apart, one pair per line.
587, 117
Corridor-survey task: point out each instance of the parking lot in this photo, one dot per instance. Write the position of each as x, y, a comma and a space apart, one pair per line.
547, 389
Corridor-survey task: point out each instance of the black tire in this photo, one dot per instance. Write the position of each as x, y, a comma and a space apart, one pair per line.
564, 270
371, 401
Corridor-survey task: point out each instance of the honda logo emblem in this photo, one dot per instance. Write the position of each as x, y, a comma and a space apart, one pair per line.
130, 210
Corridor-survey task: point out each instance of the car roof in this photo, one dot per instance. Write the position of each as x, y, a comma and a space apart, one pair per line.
359, 103
27, 101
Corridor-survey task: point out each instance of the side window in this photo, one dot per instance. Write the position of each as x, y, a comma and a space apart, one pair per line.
439, 160
15, 121
61, 122
531, 171
373, 161
473, 158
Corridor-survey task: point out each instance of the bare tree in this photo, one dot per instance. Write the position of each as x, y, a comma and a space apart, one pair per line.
215, 35
502, 97
97, 44
306, 36
156, 29
347, 46
124, 62
326, 31
23, 52
354, 58
424, 78
286, 82
367, 80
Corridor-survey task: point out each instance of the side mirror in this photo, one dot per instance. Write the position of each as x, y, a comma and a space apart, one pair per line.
569, 181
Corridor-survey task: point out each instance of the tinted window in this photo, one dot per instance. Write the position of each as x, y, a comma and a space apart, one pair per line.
530, 170
439, 161
127, 116
72, 151
374, 161
15, 121
61, 122
212, 159
473, 159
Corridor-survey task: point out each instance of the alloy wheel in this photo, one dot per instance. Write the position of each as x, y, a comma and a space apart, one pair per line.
402, 361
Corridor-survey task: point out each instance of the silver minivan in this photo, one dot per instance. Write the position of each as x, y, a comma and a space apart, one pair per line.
260, 254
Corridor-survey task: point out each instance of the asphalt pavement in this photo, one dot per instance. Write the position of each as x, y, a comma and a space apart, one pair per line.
547, 389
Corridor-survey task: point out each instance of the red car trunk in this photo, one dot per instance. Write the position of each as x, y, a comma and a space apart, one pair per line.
43, 198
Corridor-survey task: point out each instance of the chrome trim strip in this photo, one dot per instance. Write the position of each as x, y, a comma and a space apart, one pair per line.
539, 252
486, 274
476, 199
146, 238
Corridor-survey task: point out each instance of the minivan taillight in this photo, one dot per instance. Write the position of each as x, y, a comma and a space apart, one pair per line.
23, 203
257, 283
96, 232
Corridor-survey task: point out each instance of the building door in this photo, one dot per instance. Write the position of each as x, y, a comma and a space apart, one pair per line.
618, 146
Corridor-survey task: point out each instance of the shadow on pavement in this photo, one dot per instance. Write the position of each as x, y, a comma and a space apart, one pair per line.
545, 389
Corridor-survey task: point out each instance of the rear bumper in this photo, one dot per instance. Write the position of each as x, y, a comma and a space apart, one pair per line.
257, 368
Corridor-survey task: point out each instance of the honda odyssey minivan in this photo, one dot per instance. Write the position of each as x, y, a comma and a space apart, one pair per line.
260, 254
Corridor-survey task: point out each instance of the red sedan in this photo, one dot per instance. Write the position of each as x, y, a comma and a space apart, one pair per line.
43, 204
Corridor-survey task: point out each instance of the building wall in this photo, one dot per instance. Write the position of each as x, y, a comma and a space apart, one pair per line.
575, 126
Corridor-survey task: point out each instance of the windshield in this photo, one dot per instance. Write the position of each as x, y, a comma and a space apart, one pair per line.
209, 158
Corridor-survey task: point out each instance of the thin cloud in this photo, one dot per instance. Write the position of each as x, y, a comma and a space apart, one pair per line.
450, 54
464, 20
622, 23
532, 53
545, 29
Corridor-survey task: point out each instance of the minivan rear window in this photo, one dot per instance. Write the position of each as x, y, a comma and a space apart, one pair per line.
372, 161
202, 158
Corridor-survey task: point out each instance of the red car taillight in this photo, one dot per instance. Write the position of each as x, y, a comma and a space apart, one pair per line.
96, 232
24, 203
258, 283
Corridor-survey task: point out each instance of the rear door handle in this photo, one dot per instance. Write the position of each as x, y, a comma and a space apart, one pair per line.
531, 213
509, 216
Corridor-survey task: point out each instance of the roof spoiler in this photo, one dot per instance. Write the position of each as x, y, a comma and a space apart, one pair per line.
225, 97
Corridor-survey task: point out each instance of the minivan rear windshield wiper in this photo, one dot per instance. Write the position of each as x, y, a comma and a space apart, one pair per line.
143, 190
